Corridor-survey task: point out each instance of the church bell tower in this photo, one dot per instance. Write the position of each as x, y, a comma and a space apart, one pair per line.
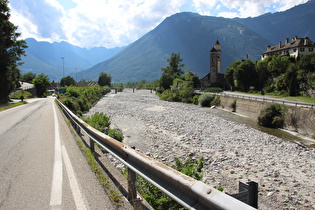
215, 62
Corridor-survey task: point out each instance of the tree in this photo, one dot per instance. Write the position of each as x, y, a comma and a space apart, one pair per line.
41, 83
104, 79
278, 65
189, 76
67, 81
245, 75
306, 72
172, 71
28, 77
262, 72
229, 74
10, 51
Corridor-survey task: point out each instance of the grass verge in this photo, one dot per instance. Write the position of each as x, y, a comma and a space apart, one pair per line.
12, 105
113, 194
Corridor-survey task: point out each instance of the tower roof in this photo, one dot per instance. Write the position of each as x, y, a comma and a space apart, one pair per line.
213, 50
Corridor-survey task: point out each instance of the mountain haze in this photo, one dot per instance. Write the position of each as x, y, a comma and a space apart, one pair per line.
45, 57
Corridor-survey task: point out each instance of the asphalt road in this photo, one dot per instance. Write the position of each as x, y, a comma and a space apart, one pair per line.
41, 167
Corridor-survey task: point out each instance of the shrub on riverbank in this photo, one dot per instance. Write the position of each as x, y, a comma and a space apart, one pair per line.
81, 99
207, 100
272, 116
101, 122
159, 200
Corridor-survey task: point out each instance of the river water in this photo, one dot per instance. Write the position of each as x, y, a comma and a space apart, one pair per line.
286, 136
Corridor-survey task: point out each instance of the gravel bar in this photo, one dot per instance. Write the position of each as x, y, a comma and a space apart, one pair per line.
233, 152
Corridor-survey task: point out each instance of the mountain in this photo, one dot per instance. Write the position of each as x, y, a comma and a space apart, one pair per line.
193, 36
190, 34
45, 57
298, 20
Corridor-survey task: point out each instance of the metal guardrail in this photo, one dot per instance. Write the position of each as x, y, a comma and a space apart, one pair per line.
188, 192
270, 100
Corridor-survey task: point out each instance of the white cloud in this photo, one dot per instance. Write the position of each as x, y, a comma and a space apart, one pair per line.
112, 23
204, 7
94, 22
243, 8
39, 19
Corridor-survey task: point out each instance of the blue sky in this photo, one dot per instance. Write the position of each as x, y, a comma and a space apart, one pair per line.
115, 23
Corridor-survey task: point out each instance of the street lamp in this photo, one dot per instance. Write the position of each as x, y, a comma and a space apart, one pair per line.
63, 67
76, 75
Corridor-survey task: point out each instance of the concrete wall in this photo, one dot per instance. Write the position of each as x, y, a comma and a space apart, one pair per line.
298, 119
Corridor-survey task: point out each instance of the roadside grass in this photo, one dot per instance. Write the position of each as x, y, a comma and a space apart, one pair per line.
12, 105
98, 171
18, 94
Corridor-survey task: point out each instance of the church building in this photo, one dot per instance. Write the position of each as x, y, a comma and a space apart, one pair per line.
215, 78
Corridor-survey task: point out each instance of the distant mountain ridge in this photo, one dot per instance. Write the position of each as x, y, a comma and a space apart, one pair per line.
45, 57
193, 36
190, 34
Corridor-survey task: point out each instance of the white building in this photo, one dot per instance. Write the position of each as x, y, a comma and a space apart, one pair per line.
296, 48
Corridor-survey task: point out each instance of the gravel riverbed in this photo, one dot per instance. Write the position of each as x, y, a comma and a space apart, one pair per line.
233, 152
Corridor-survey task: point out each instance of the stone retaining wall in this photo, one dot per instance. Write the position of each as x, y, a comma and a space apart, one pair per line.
298, 119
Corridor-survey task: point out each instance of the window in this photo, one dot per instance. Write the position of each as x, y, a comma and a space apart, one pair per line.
302, 49
294, 50
310, 49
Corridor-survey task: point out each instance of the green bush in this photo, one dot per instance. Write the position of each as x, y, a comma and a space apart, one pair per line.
72, 104
272, 116
116, 134
99, 121
81, 99
167, 95
195, 99
216, 101
206, 99
220, 188
159, 200
214, 90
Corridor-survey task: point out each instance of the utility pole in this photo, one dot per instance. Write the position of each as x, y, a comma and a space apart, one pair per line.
63, 67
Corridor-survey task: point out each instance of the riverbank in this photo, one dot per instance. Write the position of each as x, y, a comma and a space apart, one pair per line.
298, 119
233, 152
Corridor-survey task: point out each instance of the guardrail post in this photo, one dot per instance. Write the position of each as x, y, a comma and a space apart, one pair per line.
248, 193
92, 145
77, 128
253, 194
132, 191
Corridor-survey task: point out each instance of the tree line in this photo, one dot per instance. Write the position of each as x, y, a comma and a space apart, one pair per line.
281, 75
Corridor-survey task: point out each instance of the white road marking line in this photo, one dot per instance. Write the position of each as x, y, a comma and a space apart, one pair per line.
78, 199
56, 188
